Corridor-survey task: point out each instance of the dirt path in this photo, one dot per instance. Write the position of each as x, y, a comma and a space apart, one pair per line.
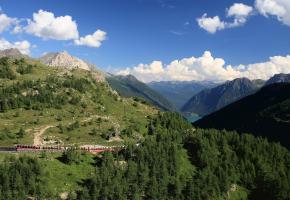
38, 132
37, 140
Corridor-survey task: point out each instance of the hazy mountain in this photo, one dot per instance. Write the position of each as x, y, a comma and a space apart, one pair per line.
278, 78
12, 53
265, 113
210, 100
179, 92
63, 59
259, 82
129, 86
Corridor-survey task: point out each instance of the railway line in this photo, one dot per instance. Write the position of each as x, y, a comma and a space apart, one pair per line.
36, 148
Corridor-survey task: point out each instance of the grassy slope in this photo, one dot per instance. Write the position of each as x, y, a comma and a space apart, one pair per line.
61, 177
121, 112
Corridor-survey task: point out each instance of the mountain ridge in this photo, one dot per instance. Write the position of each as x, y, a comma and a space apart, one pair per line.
210, 100
278, 78
262, 114
130, 86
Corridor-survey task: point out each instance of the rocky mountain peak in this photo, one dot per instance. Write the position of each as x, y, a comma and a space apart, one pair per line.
65, 60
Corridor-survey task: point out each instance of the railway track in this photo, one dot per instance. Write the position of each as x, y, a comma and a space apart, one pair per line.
85, 148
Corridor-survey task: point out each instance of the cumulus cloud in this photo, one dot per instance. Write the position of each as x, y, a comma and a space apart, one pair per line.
93, 40
22, 46
207, 67
45, 25
6, 22
238, 11
278, 8
210, 24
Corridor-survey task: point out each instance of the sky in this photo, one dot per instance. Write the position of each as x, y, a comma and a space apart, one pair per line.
156, 40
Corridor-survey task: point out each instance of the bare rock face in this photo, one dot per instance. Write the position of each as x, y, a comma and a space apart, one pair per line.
68, 62
12, 53
63, 59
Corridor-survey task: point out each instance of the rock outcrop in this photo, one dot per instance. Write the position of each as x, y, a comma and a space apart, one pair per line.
63, 59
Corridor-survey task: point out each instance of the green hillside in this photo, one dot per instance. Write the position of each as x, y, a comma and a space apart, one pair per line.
164, 156
49, 105
174, 161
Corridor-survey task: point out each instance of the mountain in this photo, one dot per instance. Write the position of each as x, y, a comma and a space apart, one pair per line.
259, 82
179, 92
45, 105
210, 100
63, 59
265, 113
13, 53
158, 153
129, 86
278, 78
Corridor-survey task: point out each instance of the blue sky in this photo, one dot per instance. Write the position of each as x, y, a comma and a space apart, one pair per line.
143, 31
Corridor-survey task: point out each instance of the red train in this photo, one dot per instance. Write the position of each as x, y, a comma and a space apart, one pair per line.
92, 149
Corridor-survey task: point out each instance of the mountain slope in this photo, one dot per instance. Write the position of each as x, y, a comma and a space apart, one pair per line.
129, 86
179, 92
266, 113
55, 106
210, 100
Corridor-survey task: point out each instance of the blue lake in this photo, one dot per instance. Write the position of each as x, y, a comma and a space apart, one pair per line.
192, 117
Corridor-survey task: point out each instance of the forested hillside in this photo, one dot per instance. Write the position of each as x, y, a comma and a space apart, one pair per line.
265, 113
174, 161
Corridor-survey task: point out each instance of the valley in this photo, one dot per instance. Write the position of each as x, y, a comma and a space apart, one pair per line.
82, 132
144, 100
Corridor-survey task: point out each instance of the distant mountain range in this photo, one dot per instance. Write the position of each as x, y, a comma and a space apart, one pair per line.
210, 100
265, 113
129, 86
179, 92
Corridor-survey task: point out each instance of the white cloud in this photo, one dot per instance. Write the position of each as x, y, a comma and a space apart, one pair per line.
278, 8
94, 40
210, 24
207, 67
6, 22
264, 70
22, 46
19, 26
238, 11
47, 26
